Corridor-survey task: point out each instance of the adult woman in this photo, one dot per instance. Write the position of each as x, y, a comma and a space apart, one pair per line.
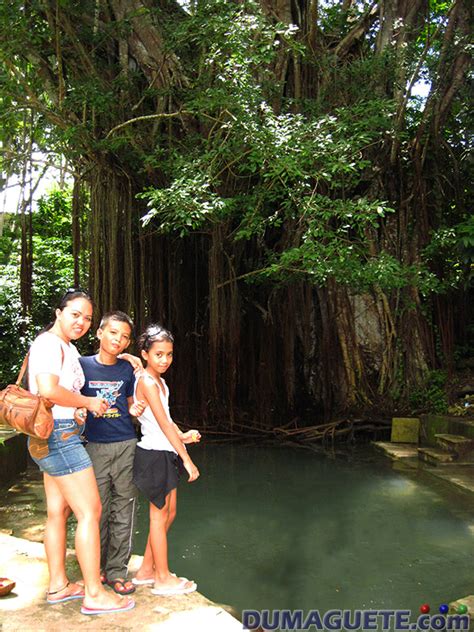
69, 481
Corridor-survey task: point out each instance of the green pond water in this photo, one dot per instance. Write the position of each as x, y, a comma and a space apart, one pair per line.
269, 528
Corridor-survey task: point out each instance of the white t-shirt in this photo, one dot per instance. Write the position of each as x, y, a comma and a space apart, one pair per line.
153, 437
50, 354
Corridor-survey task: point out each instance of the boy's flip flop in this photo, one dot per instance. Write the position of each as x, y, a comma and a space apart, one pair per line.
77, 594
119, 586
179, 589
129, 604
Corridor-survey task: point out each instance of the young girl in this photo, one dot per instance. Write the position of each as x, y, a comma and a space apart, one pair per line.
159, 456
69, 481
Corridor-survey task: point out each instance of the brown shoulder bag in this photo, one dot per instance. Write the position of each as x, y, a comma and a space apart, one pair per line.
27, 413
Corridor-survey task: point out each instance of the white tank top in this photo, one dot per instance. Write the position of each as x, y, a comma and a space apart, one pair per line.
153, 437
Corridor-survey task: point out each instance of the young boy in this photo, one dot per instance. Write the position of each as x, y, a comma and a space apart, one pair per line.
111, 445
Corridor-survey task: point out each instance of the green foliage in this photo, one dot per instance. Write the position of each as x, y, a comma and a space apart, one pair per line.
185, 206
53, 271
10, 231
450, 257
465, 241
261, 170
306, 167
286, 158
463, 407
305, 173
53, 264
12, 323
431, 395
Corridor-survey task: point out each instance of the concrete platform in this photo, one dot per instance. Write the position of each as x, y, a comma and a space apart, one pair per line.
460, 475
436, 456
25, 608
397, 450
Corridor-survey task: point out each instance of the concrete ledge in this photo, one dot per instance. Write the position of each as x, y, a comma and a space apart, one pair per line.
26, 608
431, 425
436, 456
461, 476
397, 450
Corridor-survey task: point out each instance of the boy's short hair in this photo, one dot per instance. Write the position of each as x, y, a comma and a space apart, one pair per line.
122, 317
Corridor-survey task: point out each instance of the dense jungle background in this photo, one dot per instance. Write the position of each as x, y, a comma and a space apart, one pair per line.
282, 183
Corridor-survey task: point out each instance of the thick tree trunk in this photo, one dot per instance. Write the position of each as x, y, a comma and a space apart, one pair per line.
113, 270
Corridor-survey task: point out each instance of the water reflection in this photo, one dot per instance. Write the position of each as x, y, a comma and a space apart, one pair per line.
268, 528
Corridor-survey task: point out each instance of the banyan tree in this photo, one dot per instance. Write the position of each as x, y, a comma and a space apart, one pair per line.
266, 178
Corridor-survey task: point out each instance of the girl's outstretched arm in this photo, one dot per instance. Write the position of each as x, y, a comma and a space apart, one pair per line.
147, 389
191, 436
179, 432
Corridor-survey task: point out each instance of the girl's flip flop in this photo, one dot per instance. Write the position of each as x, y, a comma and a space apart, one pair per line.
179, 589
145, 582
142, 582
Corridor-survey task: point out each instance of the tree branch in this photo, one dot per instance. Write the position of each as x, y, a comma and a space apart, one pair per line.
358, 31
148, 117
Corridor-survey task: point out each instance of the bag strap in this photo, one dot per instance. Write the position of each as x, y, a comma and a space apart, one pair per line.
22, 370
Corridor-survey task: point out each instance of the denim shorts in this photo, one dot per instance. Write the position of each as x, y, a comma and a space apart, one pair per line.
65, 451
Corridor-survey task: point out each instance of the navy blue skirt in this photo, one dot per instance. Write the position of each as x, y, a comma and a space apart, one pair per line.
156, 473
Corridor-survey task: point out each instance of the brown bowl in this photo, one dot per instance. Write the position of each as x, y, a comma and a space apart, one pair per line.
6, 586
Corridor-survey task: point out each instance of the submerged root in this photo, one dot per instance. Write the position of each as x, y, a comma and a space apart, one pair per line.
330, 432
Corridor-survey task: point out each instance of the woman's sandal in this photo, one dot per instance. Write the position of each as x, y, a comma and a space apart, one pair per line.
75, 595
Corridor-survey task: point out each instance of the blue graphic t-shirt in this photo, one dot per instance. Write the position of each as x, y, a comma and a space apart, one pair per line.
113, 382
